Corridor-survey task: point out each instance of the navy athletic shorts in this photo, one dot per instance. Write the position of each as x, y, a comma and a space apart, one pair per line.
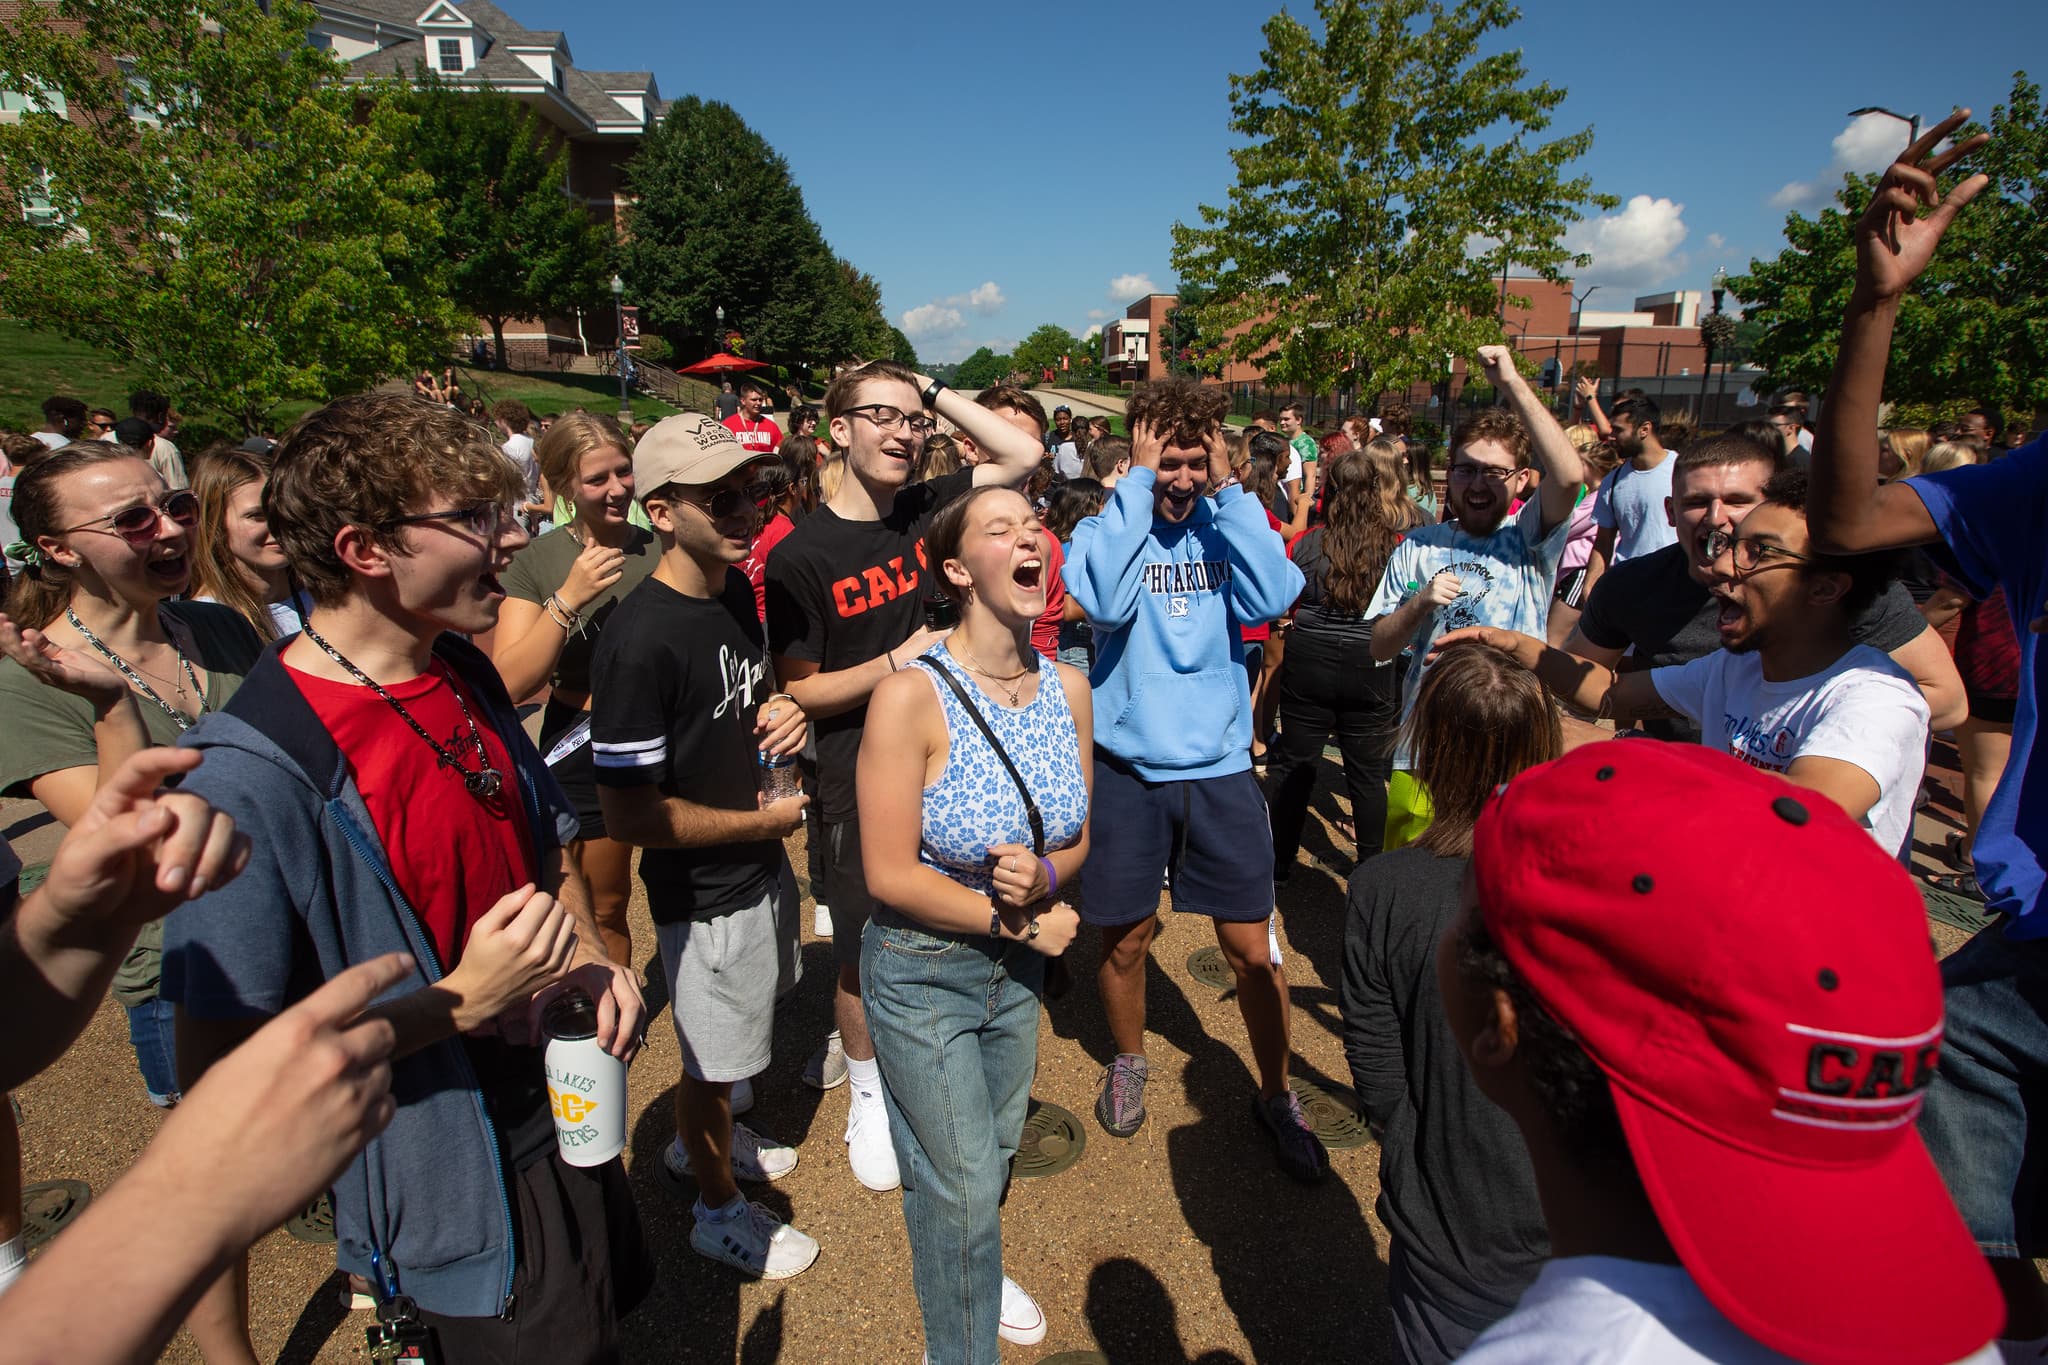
1209, 835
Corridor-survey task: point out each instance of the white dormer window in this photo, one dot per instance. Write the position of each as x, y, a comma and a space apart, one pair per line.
448, 56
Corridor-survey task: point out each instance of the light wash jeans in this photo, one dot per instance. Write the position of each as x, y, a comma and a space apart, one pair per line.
955, 1025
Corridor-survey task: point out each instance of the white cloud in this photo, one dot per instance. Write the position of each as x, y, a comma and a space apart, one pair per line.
1635, 247
1094, 331
1124, 288
1715, 241
1864, 147
985, 298
930, 320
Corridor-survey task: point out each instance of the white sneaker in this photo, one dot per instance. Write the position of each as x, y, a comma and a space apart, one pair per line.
1273, 938
868, 1148
821, 920
827, 1068
754, 1158
1023, 1322
742, 1097
755, 1243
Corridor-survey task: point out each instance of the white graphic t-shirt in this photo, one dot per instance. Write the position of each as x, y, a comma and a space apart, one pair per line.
1863, 709
1505, 580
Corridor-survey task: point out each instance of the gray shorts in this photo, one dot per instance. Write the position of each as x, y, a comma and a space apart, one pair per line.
723, 975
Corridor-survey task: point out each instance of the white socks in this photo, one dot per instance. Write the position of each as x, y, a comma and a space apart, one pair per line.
867, 1080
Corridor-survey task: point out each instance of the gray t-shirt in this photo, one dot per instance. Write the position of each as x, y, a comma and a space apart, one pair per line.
1654, 605
1631, 504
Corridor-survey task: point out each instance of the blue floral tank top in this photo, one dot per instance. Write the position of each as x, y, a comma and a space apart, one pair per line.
974, 804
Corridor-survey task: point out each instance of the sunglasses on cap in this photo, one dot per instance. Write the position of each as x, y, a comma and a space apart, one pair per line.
142, 524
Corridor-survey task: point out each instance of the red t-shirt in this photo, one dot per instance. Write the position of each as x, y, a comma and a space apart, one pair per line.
1045, 631
759, 434
755, 566
452, 854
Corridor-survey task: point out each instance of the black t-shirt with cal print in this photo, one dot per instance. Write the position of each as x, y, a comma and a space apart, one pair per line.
675, 685
841, 592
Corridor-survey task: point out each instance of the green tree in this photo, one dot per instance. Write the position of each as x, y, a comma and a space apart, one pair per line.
217, 209
1975, 326
1374, 158
900, 350
981, 369
719, 223
1042, 350
513, 242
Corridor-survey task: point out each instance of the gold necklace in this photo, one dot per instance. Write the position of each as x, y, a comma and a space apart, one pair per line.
974, 666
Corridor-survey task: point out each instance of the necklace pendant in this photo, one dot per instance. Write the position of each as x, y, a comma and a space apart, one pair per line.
485, 785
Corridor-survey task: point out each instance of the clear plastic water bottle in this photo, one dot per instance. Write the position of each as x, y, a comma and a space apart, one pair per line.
779, 775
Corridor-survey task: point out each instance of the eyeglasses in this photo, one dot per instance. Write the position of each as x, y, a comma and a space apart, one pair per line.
728, 502
1467, 473
481, 519
887, 418
142, 524
1750, 553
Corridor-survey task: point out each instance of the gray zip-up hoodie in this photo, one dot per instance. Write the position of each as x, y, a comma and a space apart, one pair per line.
428, 1195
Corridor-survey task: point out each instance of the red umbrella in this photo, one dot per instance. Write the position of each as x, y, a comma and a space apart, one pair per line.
723, 363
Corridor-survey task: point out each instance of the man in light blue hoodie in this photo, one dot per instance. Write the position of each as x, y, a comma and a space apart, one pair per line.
1167, 577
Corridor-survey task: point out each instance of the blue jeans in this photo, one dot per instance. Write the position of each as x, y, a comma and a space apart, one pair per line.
955, 1025
1991, 1085
150, 1031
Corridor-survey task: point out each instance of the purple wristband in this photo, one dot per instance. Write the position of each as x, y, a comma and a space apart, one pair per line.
1052, 878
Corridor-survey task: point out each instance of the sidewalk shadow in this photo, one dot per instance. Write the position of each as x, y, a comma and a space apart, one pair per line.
1133, 1318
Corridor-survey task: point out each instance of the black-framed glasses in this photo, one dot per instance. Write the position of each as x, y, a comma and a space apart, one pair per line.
1749, 552
142, 524
481, 519
1470, 471
887, 418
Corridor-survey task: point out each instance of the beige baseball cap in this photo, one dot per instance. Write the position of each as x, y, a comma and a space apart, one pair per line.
688, 448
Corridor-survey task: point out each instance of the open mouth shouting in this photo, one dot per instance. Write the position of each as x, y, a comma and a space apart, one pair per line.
169, 568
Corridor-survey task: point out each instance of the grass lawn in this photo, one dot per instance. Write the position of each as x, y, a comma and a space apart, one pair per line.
548, 392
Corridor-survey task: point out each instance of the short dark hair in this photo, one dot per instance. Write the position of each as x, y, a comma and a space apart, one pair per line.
1181, 410
1731, 447
151, 406
996, 397
1265, 415
1105, 455
1296, 407
1567, 1085
138, 433
748, 386
1641, 411
516, 416
1495, 424
1869, 574
63, 408
1268, 445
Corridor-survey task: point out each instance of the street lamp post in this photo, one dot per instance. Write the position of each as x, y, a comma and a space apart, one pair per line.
619, 306
719, 313
1720, 292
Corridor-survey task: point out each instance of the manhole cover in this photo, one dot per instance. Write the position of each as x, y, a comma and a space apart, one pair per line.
48, 1208
1053, 1140
314, 1223
31, 877
1334, 1121
1208, 966
1950, 908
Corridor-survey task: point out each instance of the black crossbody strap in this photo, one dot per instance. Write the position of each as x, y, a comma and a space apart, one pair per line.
945, 675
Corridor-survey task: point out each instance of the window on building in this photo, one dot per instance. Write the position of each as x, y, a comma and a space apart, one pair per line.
39, 100
37, 208
450, 53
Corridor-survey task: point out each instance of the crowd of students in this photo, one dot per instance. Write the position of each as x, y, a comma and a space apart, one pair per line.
1659, 1060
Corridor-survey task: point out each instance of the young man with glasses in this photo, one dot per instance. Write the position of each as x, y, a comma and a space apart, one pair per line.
1480, 567
393, 803
1789, 691
683, 714
847, 606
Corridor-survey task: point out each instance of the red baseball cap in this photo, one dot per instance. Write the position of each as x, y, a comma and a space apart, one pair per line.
1755, 980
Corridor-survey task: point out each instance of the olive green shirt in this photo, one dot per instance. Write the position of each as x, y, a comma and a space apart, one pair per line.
542, 567
45, 730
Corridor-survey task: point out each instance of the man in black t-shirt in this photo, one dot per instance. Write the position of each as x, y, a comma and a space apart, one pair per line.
681, 719
846, 593
1658, 604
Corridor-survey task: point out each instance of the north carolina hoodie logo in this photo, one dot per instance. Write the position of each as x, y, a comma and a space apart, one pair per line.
1186, 575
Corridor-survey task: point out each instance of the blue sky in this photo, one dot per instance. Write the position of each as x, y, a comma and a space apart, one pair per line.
1000, 167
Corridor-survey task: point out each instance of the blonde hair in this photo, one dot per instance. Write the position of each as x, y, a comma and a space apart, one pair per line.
1946, 455
829, 475
570, 437
1582, 437
1909, 444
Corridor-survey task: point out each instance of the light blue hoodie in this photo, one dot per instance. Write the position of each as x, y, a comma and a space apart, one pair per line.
1167, 601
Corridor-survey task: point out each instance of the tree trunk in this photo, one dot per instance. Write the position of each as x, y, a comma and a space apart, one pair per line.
498, 341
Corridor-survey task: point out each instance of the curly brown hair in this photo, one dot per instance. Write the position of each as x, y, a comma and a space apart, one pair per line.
1181, 410
1495, 424
367, 461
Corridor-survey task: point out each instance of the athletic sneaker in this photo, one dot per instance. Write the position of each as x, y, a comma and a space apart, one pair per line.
754, 1158
753, 1241
1022, 1322
742, 1097
821, 920
1300, 1151
869, 1149
1120, 1108
827, 1068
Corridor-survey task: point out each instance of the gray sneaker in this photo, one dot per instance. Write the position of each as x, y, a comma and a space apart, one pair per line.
827, 1068
1120, 1109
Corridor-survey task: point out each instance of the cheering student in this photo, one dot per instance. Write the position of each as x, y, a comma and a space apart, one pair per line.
1717, 1096
1168, 577
974, 802
847, 594
681, 719
1982, 524
394, 804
